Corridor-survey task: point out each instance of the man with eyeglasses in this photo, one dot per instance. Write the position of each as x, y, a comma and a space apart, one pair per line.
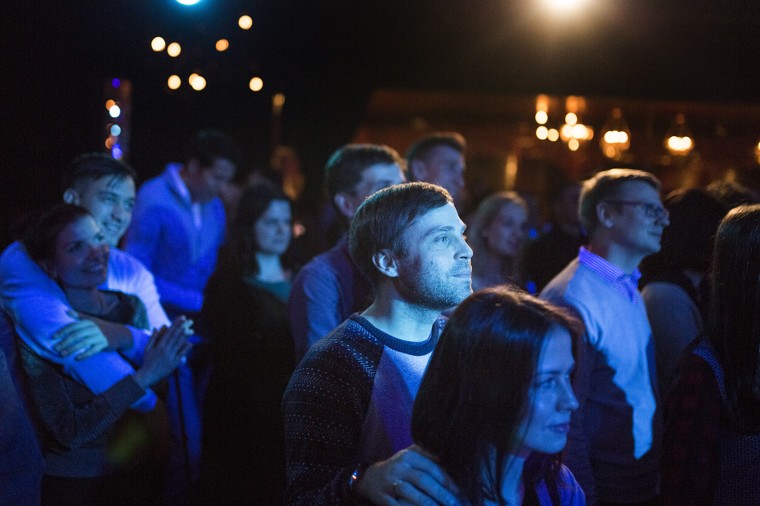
615, 436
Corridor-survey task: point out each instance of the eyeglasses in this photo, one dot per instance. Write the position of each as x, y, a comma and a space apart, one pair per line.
651, 210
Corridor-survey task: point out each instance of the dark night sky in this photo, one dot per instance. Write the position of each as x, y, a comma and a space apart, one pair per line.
327, 56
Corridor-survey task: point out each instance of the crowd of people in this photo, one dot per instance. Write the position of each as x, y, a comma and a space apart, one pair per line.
173, 345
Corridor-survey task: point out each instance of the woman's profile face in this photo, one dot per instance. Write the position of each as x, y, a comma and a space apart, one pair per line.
273, 228
506, 232
550, 397
81, 255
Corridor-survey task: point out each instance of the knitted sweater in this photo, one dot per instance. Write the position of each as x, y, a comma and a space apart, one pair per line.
349, 401
77, 425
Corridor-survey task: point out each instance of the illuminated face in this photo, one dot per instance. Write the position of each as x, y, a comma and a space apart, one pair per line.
111, 201
434, 270
551, 397
273, 228
81, 255
205, 183
506, 232
443, 166
374, 178
632, 230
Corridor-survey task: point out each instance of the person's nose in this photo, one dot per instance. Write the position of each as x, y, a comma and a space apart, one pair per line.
568, 401
465, 251
98, 251
118, 212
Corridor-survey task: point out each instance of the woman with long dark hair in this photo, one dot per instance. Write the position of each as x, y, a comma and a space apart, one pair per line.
495, 403
253, 358
712, 418
96, 450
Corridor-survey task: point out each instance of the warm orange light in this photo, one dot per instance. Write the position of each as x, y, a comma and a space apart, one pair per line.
110, 103
158, 44
196, 81
542, 132
173, 49
553, 135
256, 84
278, 100
245, 22
222, 45
573, 144
174, 82
571, 118
542, 117
679, 145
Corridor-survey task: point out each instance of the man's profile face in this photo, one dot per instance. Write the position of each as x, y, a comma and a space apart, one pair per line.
633, 230
443, 166
434, 269
111, 200
205, 183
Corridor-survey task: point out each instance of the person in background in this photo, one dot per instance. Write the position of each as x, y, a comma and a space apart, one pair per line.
179, 221
616, 434
674, 284
330, 288
87, 440
496, 237
711, 451
178, 227
438, 158
252, 350
544, 257
348, 405
500, 440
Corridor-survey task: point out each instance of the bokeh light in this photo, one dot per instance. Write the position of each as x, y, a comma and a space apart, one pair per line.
256, 84
196, 81
174, 82
158, 44
173, 49
222, 45
245, 22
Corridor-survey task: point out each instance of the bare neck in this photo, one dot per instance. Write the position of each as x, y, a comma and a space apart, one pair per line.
401, 319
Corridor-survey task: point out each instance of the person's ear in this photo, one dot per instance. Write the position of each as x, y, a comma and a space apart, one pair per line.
385, 262
345, 204
603, 215
71, 196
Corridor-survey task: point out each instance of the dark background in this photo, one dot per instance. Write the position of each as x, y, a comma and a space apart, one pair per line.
326, 57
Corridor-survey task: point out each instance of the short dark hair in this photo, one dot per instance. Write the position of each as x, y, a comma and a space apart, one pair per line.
734, 322
604, 185
210, 144
241, 245
421, 148
42, 235
90, 167
345, 167
380, 221
467, 406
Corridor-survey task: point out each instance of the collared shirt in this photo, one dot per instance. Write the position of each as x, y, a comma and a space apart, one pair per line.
627, 284
179, 183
